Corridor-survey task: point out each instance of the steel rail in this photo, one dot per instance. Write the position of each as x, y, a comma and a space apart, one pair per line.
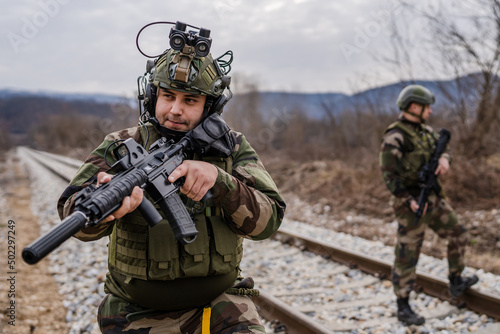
475, 300
296, 322
34, 154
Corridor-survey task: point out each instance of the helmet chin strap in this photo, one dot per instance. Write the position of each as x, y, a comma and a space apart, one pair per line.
419, 116
174, 134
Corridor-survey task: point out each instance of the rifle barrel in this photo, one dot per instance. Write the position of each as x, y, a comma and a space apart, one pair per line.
42, 246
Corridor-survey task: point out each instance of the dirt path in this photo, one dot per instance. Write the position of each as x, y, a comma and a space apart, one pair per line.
31, 290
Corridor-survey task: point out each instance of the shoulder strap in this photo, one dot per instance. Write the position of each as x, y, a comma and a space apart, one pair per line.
401, 126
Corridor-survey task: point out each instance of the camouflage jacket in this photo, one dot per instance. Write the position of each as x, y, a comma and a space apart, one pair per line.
151, 269
403, 153
248, 196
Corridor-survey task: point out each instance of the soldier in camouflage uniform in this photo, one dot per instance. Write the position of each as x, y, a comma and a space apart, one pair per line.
407, 145
154, 283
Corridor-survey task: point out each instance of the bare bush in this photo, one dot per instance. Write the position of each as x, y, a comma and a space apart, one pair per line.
76, 134
5, 140
458, 40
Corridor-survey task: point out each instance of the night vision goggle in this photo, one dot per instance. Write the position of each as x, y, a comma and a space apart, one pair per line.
198, 41
179, 38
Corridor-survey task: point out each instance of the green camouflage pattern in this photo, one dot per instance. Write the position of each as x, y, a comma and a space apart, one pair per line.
399, 157
229, 314
440, 216
249, 199
199, 74
248, 196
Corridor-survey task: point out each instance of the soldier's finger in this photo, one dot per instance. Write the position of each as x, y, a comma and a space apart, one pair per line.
135, 198
425, 208
103, 177
197, 191
124, 209
180, 171
203, 190
108, 219
190, 187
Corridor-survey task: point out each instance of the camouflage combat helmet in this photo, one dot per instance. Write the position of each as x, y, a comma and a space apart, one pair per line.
414, 93
185, 71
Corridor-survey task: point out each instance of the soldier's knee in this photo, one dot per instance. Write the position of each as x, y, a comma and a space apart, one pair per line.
235, 312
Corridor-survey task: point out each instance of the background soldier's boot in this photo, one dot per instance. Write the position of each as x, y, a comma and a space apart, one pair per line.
406, 314
459, 284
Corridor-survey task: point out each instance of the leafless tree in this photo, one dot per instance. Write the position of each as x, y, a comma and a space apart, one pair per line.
242, 113
458, 40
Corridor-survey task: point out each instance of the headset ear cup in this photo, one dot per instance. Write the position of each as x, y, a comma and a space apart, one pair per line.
221, 101
150, 99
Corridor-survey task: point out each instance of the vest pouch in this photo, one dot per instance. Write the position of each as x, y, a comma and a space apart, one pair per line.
194, 258
228, 247
419, 147
410, 165
163, 253
128, 244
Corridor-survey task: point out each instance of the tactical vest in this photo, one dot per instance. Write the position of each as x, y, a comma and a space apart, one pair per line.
139, 251
417, 151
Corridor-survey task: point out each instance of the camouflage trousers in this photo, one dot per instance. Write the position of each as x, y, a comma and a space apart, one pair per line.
441, 218
225, 314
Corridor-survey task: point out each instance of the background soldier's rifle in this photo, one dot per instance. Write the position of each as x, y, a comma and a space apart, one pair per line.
148, 170
427, 177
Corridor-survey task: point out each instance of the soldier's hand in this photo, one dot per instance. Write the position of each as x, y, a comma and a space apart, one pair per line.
129, 203
414, 206
443, 166
200, 177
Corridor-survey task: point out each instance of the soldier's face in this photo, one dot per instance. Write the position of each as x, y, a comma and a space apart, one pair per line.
417, 110
427, 112
179, 111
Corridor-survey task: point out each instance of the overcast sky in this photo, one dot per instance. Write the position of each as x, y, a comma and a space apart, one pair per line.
293, 45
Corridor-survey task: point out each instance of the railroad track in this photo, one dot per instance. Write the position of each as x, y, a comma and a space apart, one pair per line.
321, 288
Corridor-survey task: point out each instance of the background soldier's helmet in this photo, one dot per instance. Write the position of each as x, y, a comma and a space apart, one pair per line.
414, 93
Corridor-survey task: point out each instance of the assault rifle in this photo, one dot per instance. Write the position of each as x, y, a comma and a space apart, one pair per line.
427, 177
148, 170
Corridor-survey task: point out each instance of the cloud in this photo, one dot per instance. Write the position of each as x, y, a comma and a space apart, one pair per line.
75, 46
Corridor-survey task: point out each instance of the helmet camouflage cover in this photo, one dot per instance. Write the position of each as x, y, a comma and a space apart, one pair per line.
184, 71
414, 93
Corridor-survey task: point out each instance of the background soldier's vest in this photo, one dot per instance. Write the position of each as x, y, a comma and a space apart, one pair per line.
417, 151
139, 251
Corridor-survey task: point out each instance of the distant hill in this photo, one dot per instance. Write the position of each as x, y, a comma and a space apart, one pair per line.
21, 110
6, 94
383, 98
